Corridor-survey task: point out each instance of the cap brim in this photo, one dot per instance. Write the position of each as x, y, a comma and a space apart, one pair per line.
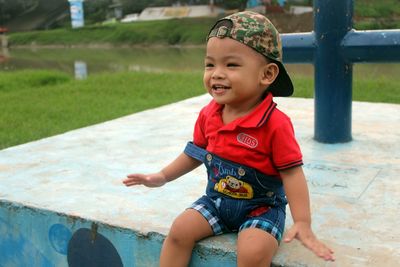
282, 86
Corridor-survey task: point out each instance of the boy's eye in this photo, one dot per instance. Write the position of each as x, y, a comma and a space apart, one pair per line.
209, 65
232, 65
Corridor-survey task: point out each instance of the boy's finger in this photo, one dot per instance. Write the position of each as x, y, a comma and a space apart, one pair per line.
290, 235
324, 252
133, 175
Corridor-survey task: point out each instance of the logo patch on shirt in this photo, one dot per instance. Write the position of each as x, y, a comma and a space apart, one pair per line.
247, 140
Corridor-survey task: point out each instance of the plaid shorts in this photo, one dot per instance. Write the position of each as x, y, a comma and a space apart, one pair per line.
270, 219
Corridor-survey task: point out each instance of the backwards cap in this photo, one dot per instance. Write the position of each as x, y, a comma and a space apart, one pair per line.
257, 32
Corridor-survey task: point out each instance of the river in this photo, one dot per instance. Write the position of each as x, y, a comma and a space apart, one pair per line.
82, 62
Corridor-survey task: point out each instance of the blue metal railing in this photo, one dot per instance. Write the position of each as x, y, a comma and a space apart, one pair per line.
333, 47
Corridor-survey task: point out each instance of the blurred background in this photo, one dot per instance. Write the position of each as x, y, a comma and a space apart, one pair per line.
68, 64
25, 22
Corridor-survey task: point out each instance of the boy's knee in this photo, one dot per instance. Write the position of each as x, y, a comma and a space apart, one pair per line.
256, 247
180, 233
253, 256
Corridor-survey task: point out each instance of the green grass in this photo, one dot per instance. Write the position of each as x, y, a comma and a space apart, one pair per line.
44, 103
38, 104
374, 15
377, 8
376, 24
369, 89
167, 32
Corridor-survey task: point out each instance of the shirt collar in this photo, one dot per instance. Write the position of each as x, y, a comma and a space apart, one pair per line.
257, 118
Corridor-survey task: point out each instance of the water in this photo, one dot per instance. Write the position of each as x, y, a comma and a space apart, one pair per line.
106, 60
81, 62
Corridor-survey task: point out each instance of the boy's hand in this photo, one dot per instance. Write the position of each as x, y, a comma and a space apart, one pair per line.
302, 231
149, 180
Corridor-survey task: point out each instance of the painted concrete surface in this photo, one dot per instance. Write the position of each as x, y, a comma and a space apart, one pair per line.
56, 187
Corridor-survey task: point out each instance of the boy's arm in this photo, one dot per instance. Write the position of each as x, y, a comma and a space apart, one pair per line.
180, 166
296, 191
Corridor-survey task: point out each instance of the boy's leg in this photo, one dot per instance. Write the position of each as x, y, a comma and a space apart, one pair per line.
255, 247
188, 228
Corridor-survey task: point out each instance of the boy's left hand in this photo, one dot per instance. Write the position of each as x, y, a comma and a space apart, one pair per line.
302, 231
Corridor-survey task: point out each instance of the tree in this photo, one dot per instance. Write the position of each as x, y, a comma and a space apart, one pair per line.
234, 4
12, 8
96, 10
136, 6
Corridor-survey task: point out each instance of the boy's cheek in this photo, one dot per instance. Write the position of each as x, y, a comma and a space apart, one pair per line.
206, 82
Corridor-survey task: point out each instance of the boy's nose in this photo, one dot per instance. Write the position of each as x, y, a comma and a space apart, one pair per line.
217, 74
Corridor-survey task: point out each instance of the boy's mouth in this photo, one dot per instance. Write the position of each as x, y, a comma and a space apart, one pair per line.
219, 87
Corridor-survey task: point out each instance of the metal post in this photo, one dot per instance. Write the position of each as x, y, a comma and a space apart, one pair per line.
333, 73
333, 47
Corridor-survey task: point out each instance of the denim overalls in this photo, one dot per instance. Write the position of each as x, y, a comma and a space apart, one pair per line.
237, 191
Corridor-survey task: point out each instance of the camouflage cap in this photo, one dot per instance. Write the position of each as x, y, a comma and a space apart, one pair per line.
257, 32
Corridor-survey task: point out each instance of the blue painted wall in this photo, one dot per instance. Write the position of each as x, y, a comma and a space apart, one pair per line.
36, 237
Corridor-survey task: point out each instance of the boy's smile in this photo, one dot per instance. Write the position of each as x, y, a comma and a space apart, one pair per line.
219, 89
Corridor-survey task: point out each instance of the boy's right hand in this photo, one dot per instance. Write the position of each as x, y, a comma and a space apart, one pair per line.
149, 180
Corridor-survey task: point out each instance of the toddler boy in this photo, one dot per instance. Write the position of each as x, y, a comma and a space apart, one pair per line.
248, 146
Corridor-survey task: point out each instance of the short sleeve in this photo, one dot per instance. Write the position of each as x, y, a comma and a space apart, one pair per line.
286, 151
199, 138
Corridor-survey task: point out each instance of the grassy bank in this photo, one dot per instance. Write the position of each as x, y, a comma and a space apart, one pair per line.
38, 104
159, 33
368, 14
168, 32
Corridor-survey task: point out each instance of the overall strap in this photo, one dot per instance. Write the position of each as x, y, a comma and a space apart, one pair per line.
196, 152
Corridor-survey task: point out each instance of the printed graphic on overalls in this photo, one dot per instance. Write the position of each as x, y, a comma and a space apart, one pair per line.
234, 188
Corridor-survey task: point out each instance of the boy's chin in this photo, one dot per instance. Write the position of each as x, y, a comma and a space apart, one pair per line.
220, 101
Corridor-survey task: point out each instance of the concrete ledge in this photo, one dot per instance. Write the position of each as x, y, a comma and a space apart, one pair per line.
36, 237
61, 195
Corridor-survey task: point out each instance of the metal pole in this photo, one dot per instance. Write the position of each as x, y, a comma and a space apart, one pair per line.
372, 46
333, 73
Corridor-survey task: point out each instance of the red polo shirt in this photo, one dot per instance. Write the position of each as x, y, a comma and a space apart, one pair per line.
263, 139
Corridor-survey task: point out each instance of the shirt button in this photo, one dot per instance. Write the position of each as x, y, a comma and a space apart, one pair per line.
270, 194
209, 157
241, 171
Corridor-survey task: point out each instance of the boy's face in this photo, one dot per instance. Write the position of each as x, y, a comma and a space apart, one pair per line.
236, 75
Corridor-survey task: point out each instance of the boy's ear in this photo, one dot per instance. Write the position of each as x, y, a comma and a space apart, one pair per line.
270, 72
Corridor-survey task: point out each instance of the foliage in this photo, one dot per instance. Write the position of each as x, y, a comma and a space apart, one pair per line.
234, 4
137, 6
12, 8
130, 6
96, 10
